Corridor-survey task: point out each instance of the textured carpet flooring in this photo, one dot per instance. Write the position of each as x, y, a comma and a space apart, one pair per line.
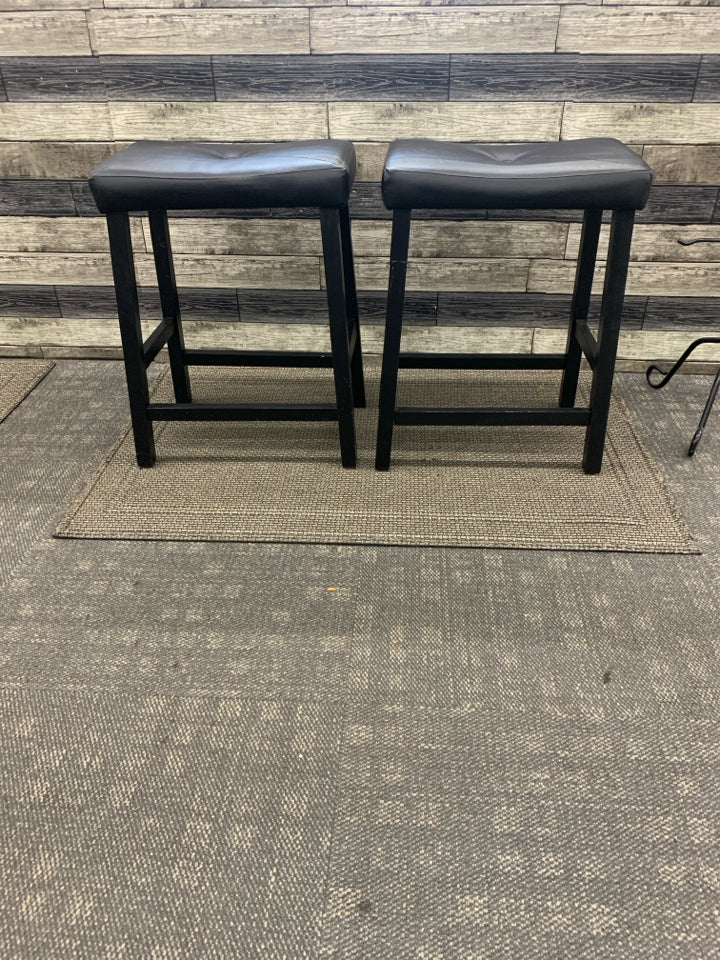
17, 379
453, 753
483, 487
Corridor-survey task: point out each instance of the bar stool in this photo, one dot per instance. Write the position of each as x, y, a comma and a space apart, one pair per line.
157, 176
592, 175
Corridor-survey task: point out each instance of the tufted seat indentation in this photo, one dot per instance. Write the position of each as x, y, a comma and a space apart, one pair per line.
592, 173
181, 175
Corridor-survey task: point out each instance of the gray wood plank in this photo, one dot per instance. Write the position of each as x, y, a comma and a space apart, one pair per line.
3, 91
523, 309
22, 198
328, 77
708, 81
567, 76
53, 78
55, 121
646, 29
643, 122
52, 159
28, 300
48, 33
668, 313
684, 163
158, 78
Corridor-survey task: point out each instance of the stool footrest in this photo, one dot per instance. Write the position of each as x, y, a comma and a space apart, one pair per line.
484, 361
489, 416
257, 358
157, 340
242, 411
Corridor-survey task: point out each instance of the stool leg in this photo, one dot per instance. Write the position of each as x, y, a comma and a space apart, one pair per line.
580, 303
393, 330
608, 333
131, 335
353, 318
165, 270
339, 337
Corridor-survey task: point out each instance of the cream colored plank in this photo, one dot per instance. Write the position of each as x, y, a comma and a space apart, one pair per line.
684, 164
57, 121
645, 122
61, 234
294, 273
208, 237
641, 29
70, 268
660, 242
19, 5
63, 331
218, 121
447, 274
648, 279
53, 159
20, 350
638, 345
370, 161
446, 121
44, 34
258, 30
207, 4
422, 29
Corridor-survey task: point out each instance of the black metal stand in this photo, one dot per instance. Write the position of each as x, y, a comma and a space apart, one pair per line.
667, 376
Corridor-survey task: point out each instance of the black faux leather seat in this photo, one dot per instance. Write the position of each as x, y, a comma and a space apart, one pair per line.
155, 176
179, 175
597, 172
591, 175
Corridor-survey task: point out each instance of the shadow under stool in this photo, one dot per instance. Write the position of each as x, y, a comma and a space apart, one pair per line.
592, 175
157, 176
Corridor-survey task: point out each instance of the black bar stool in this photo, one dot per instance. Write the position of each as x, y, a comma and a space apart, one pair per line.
592, 175
157, 176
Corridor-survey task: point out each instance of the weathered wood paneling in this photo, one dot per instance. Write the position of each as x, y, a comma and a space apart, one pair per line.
217, 121
643, 122
53, 78
568, 76
683, 163
276, 30
501, 29
60, 234
55, 121
60, 161
27, 197
447, 274
642, 29
44, 33
447, 121
651, 279
158, 78
661, 243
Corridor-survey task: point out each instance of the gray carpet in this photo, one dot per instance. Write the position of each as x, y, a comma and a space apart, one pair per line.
456, 753
474, 486
17, 379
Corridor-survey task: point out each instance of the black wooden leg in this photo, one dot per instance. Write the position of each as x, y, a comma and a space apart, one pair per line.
131, 335
162, 251
580, 303
393, 331
353, 315
339, 336
608, 333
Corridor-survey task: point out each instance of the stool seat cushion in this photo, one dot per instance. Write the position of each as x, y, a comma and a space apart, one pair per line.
596, 172
174, 175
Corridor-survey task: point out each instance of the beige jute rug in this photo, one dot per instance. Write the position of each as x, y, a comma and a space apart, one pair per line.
17, 379
517, 487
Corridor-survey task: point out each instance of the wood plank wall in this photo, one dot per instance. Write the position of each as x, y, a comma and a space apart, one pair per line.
81, 78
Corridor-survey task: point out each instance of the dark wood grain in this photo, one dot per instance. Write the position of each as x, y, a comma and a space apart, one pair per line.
158, 78
331, 77
310, 306
28, 301
53, 78
523, 309
82, 301
206, 303
708, 82
666, 313
3, 91
572, 77
23, 198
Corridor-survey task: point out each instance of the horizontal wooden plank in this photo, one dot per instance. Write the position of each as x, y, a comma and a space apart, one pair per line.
667, 313
370, 160
243, 237
680, 163
661, 243
447, 274
332, 77
53, 78
217, 121
639, 345
54, 5
36, 197
651, 279
62, 234
55, 121
51, 33
158, 78
211, 4
52, 159
708, 81
643, 122
256, 30
446, 121
641, 29
568, 76
487, 29
679, 203
28, 300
